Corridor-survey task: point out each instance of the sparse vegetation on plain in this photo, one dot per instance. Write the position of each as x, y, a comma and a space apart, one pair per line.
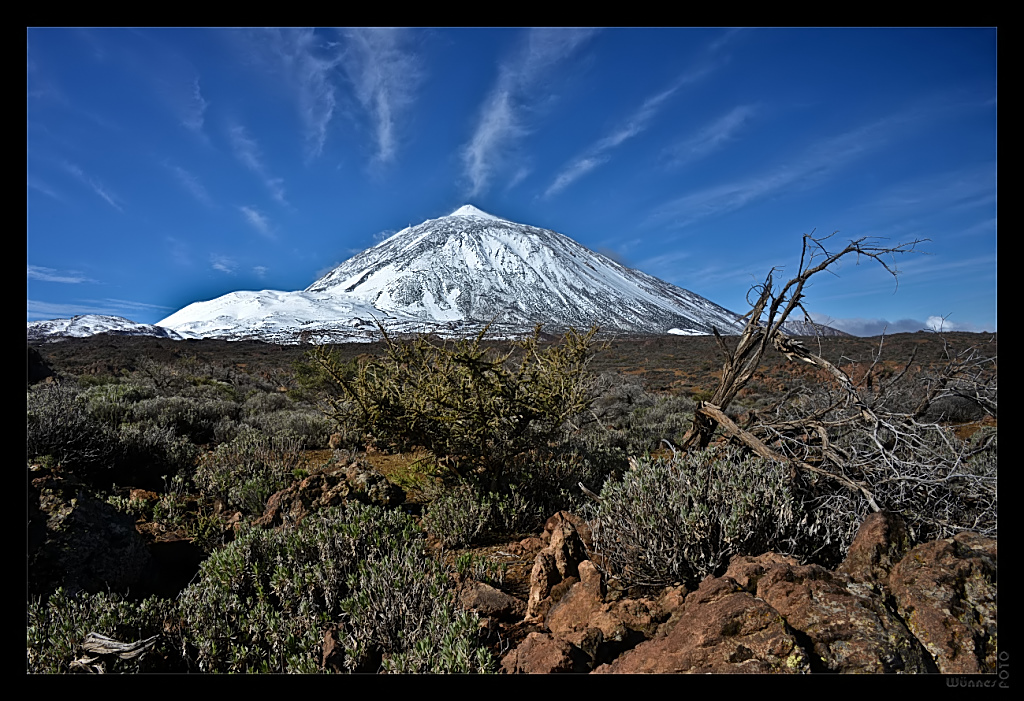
681, 452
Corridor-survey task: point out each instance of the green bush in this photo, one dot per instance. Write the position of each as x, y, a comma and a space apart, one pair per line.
680, 520
471, 408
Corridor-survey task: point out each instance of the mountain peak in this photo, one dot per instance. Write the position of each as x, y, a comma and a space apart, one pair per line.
468, 210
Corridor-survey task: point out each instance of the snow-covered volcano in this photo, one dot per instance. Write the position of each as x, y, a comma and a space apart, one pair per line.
473, 266
454, 274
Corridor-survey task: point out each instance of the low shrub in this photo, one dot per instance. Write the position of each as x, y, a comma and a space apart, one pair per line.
308, 426
681, 519
193, 418
245, 472
60, 425
112, 403
57, 626
265, 601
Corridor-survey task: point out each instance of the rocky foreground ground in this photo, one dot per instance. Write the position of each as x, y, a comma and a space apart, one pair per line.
888, 607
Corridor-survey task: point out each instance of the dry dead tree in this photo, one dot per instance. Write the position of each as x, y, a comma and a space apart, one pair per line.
886, 455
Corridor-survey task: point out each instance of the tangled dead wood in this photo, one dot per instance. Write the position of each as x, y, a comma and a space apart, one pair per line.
879, 438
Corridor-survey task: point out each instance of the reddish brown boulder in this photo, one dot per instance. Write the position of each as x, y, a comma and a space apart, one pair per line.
329, 487
557, 562
850, 631
946, 592
721, 629
542, 653
881, 542
490, 602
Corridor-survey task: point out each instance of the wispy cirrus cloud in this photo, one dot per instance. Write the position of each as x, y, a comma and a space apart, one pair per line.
502, 118
224, 264
258, 221
710, 138
955, 190
96, 186
37, 184
306, 61
599, 153
817, 164
384, 76
248, 153
193, 109
190, 182
38, 272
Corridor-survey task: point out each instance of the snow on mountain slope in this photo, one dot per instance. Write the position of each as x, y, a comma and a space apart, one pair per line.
281, 317
92, 324
453, 276
471, 266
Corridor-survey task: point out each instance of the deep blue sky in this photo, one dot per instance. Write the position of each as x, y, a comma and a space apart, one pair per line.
166, 166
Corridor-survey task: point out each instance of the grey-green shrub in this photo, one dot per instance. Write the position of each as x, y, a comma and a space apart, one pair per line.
60, 425
57, 626
195, 418
265, 601
681, 519
309, 426
246, 471
112, 403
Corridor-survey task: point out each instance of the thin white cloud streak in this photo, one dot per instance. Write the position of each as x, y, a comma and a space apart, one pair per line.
384, 77
257, 220
247, 151
93, 184
49, 310
223, 264
36, 184
37, 272
191, 184
130, 304
597, 154
38, 310
194, 109
501, 121
260, 271
820, 161
947, 192
712, 137
306, 62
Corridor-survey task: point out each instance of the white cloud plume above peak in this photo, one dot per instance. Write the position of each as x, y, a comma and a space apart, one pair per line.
502, 121
384, 76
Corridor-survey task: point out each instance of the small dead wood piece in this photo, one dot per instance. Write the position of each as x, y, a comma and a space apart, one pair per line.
102, 648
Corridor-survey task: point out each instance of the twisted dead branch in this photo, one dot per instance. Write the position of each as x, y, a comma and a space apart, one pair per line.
863, 436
